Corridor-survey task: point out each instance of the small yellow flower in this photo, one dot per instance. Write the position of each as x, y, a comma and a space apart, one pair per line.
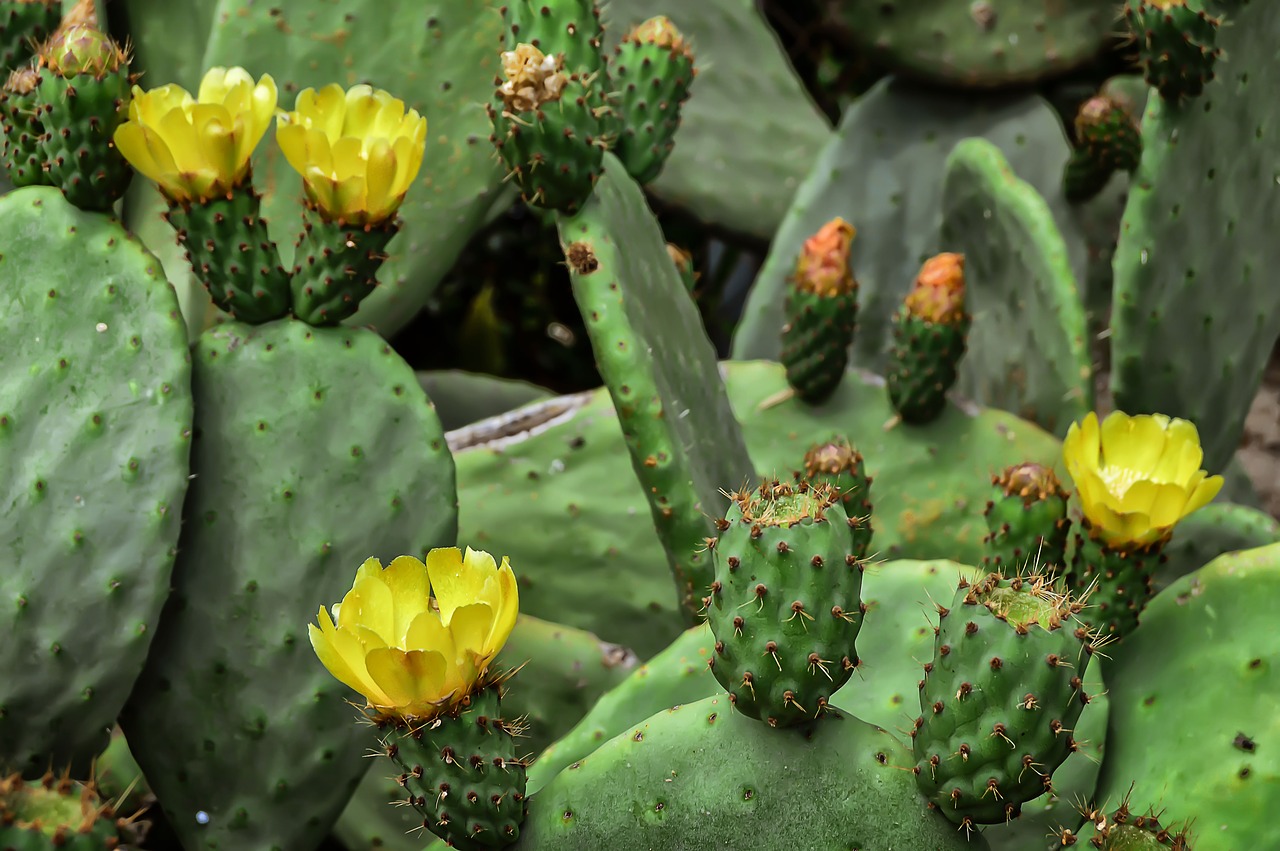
198, 148
411, 654
1137, 477
358, 151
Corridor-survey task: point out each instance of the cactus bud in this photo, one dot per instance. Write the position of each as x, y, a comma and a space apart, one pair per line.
23, 152
838, 464
929, 340
1177, 45
1107, 140
821, 311
1026, 520
684, 265
23, 25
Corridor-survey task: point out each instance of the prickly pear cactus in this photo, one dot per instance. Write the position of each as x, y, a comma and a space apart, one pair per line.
95, 433
705, 770
785, 606
1177, 45
650, 73
23, 152
1001, 697
821, 312
660, 369
271, 510
1108, 140
836, 463
1028, 349
57, 812
1026, 520
1178, 292
930, 336
24, 24
1222, 761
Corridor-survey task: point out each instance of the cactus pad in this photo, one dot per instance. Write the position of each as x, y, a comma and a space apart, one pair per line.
24, 24
703, 770
1197, 233
95, 430
1029, 346
1207, 636
289, 416
653, 353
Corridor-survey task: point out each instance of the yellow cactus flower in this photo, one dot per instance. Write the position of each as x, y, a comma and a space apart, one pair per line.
196, 149
358, 151
1137, 477
413, 654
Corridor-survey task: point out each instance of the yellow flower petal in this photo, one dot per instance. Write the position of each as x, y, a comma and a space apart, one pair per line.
369, 604
1203, 494
508, 606
471, 627
406, 577
341, 652
145, 151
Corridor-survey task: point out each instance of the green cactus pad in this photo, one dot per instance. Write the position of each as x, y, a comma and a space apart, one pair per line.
563, 671
227, 244
1219, 527
1177, 45
564, 463
24, 24
337, 268
57, 812
1000, 700
84, 96
749, 130
462, 398
23, 153
979, 45
907, 131
555, 153
567, 28
462, 773
684, 442
704, 773
289, 416
836, 463
1197, 229
785, 607
443, 66
925, 361
95, 430
1026, 520
650, 73
1029, 344
1124, 830
1202, 670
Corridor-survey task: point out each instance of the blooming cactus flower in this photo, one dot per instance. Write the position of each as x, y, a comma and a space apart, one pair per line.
1137, 477
358, 151
412, 654
198, 148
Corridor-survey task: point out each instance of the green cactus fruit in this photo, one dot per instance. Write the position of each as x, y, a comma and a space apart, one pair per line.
785, 607
461, 771
23, 153
1177, 45
684, 265
23, 25
339, 267
821, 313
57, 812
1123, 830
568, 29
1026, 520
1001, 697
1122, 580
650, 74
84, 95
550, 130
1107, 140
229, 249
929, 339
838, 464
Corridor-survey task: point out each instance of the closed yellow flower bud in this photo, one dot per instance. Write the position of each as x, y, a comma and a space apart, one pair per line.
415, 639
358, 151
198, 148
1137, 477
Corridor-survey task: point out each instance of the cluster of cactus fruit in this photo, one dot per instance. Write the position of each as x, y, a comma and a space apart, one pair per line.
179, 505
